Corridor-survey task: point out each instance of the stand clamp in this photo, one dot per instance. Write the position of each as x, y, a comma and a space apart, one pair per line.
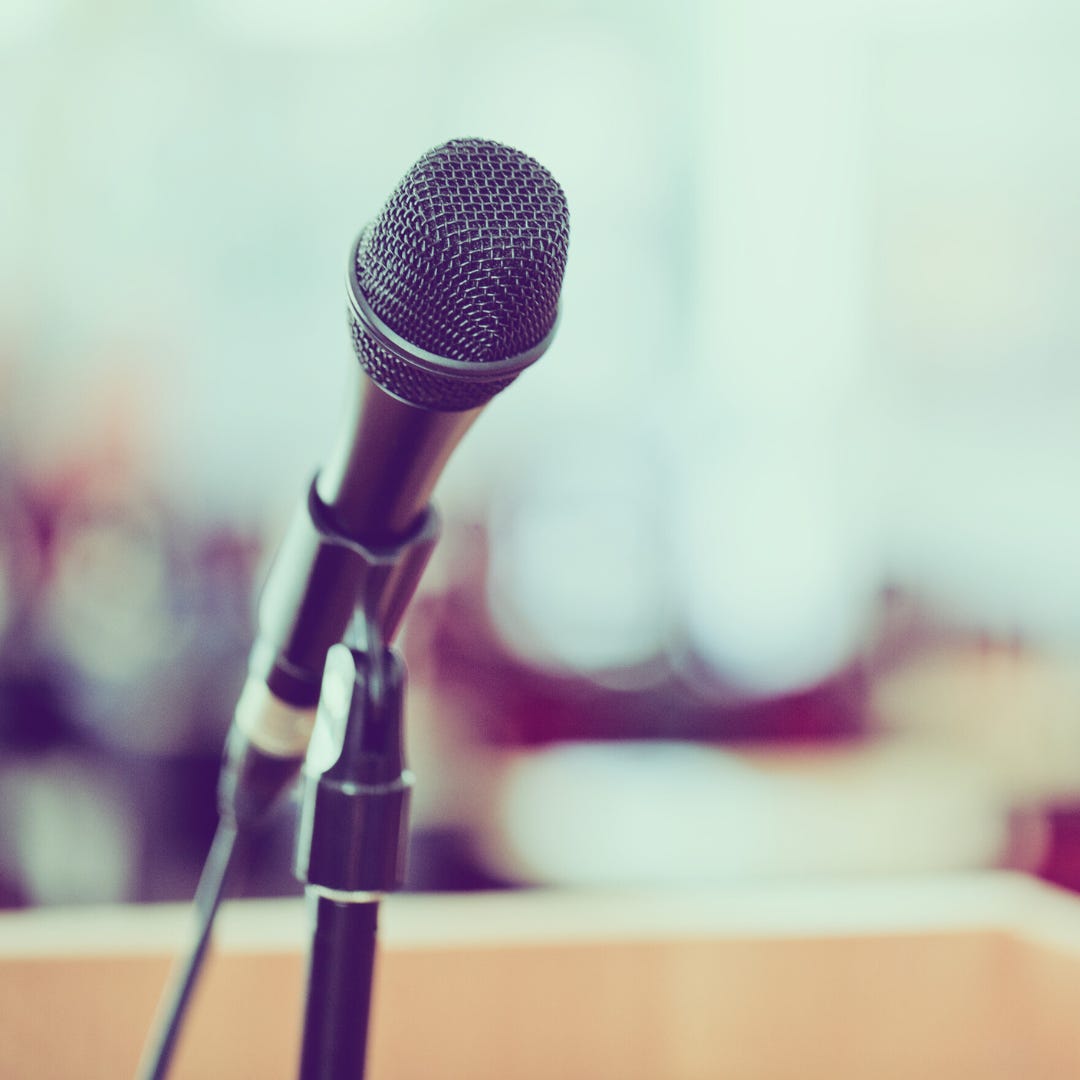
354, 814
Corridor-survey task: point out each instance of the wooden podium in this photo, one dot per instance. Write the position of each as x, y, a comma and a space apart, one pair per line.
969, 976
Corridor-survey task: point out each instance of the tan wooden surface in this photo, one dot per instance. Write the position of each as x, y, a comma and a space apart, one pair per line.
946, 977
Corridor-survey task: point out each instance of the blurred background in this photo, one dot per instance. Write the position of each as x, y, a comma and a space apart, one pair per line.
769, 569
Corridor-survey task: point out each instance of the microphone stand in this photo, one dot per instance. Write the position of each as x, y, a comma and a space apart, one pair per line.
350, 849
351, 838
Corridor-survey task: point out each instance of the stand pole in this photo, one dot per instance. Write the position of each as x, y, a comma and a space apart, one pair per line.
340, 970
350, 849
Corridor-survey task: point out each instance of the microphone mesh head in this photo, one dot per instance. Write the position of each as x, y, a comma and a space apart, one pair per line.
464, 261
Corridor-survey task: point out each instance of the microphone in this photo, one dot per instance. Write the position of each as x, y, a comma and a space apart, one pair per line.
453, 290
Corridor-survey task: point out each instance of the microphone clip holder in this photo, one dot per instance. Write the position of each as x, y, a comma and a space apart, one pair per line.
324, 581
333, 589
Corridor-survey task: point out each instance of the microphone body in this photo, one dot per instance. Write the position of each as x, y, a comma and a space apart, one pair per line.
379, 476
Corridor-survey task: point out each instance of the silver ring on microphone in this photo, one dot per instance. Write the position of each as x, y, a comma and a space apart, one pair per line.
396, 345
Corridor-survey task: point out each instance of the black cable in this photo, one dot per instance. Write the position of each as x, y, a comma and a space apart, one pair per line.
159, 1047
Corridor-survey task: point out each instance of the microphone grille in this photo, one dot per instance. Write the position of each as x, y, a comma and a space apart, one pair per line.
465, 261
